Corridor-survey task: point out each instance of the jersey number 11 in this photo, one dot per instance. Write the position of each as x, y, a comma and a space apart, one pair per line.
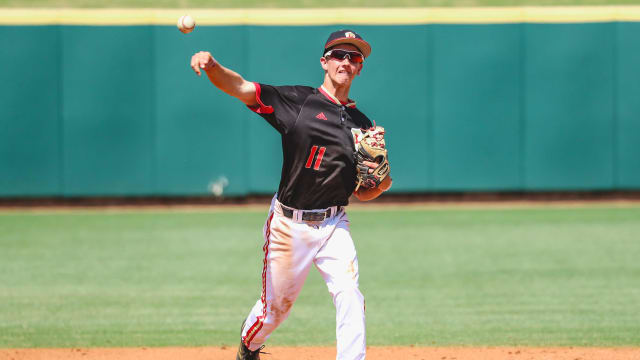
316, 166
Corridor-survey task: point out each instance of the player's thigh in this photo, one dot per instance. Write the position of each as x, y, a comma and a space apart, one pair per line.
337, 261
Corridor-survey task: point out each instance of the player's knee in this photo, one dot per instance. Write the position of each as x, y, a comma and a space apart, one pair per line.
347, 294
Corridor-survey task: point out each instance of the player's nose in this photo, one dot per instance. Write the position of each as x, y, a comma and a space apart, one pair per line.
346, 60
346, 68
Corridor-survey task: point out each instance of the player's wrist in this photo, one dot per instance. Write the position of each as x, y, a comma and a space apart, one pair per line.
385, 184
211, 66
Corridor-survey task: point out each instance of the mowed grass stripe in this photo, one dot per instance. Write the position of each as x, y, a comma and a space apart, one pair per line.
322, 16
539, 277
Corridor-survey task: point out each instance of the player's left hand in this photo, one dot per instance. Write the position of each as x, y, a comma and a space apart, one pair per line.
385, 184
372, 163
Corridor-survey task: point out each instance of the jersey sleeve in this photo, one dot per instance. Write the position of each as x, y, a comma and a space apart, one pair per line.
279, 105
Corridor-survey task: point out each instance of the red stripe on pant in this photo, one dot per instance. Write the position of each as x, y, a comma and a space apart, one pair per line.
257, 326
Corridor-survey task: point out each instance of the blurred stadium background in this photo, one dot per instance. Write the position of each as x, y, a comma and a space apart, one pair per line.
98, 102
102, 102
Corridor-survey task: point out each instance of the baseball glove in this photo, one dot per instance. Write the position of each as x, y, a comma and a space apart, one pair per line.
371, 147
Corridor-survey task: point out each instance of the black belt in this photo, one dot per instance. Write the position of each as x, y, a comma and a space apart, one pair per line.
310, 215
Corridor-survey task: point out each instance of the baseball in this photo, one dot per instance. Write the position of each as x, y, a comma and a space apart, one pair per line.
186, 24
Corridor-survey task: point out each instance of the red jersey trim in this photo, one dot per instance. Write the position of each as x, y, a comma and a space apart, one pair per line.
350, 103
261, 108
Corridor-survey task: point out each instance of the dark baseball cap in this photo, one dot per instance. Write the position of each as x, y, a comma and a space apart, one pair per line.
348, 37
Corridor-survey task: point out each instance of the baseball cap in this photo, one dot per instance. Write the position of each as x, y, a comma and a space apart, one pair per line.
348, 37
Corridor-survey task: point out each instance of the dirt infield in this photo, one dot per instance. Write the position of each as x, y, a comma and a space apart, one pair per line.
327, 353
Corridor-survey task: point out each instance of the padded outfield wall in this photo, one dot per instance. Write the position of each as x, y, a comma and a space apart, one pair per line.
104, 103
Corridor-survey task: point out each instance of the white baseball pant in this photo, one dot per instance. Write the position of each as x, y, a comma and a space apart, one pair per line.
290, 247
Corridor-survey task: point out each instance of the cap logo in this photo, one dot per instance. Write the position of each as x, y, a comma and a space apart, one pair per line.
349, 34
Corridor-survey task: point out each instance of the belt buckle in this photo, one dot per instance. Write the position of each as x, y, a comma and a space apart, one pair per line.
314, 216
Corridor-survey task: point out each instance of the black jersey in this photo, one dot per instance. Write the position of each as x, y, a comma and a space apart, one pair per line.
318, 169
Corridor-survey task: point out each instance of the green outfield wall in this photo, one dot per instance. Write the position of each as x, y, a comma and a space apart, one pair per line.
115, 110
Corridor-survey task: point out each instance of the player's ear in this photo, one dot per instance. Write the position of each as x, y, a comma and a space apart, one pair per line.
323, 63
360, 68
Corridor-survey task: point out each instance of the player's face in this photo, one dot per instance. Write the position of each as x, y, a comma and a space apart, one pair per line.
341, 71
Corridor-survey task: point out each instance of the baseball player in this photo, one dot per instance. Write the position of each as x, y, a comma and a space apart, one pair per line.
307, 223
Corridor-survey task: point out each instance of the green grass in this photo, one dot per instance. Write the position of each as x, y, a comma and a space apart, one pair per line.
298, 3
539, 276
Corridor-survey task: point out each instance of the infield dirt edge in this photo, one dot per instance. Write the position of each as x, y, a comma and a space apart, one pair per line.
327, 353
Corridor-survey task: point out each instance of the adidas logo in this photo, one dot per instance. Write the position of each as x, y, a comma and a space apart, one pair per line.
321, 116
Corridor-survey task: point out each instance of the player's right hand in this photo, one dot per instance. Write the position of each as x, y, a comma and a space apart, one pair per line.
202, 60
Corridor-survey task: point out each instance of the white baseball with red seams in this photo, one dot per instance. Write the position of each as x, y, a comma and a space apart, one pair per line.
186, 24
291, 246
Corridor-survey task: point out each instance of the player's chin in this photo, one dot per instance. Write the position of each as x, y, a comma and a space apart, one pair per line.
343, 78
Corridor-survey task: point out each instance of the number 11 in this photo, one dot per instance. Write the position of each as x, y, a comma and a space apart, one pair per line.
316, 166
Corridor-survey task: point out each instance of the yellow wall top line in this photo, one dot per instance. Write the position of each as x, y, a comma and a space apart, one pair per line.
356, 16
